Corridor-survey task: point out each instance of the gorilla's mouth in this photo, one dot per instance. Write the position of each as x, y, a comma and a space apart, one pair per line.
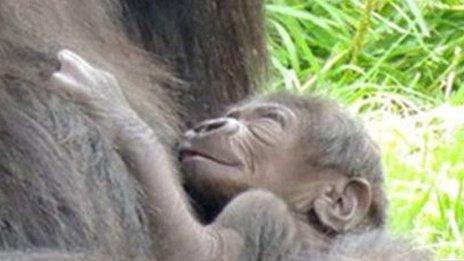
186, 154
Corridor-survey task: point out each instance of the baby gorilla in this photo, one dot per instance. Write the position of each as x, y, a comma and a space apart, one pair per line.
279, 177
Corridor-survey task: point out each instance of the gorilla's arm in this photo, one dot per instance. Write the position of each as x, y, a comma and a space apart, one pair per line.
99, 93
240, 228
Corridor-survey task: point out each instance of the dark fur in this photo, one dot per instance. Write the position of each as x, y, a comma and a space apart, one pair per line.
215, 45
367, 246
62, 185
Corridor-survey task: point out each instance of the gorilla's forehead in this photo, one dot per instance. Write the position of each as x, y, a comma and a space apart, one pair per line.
274, 100
254, 105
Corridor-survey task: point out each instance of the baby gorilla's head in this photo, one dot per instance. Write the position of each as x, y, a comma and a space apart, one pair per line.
306, 150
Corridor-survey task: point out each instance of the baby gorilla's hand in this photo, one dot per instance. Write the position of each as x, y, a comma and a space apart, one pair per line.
97, 91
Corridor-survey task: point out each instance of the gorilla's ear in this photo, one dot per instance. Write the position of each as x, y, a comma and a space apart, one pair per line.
345, 205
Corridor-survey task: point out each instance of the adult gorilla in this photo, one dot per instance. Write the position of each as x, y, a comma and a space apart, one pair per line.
63, 187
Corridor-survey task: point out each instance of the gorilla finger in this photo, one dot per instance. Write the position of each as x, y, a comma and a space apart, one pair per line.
70, 55
67, 87
73, 64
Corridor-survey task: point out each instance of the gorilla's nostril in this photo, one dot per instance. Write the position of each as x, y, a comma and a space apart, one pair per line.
215, 125
210, 125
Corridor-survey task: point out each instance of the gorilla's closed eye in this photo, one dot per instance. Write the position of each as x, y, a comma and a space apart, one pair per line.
275, 116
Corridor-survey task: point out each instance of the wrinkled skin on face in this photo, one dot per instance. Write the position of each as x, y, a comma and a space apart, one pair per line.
254, 145
242, 145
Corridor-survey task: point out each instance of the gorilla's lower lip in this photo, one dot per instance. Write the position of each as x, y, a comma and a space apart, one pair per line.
186, 154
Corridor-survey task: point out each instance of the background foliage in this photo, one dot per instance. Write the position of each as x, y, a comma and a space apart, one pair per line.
399, 64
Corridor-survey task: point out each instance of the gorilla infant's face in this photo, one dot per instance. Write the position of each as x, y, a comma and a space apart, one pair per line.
253, 145
284, 144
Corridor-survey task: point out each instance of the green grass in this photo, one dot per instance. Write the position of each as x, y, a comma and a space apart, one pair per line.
399, 64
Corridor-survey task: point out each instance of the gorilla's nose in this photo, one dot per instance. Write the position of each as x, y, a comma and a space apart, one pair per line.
218, 125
